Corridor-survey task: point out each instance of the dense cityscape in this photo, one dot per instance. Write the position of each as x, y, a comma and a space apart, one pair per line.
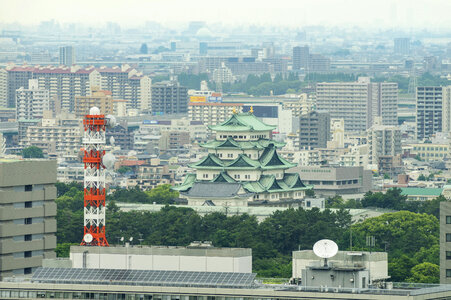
210, 158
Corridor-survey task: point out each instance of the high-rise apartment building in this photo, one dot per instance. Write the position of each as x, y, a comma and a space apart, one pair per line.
301, 56
67, 56
212, 113
3, 88
402, 46
383, 141
446, 108
358, 103
223, 75
101, 99
429, 111
32, 102
169, 98
314, 130
27, 219
64, 83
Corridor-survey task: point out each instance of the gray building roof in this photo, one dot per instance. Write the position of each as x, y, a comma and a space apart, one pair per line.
216, 190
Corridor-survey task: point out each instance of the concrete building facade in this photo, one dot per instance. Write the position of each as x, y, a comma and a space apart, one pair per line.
383, 141
101, 99
169, 98
212, 113
32, 102
429, 111
445, 242
67, 55
358, 103
27, 215
314, 130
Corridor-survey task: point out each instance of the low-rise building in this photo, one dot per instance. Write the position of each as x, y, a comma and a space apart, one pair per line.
421, 194
332, 180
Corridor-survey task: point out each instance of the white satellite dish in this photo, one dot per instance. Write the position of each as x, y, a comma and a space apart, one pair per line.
112, 140
88, 238
325, 249
108, 160
110, 121
94, 111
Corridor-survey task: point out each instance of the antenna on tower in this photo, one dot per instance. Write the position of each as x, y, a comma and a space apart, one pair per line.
94, 160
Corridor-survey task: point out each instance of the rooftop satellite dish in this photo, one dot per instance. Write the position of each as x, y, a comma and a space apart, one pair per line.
88, 238
112, 140
94, 111
325, 249
108, 160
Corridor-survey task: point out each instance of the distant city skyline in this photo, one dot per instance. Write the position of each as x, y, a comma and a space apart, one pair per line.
373, 14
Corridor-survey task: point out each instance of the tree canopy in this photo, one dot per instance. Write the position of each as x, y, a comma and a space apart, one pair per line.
32, 152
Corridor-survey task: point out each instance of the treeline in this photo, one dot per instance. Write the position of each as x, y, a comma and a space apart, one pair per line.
273, 240
392, 199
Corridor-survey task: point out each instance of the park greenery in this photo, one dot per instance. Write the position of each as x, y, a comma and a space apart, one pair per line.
279, 84
411, 239
32, 152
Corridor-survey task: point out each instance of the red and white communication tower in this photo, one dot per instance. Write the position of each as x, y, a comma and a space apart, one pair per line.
94, 160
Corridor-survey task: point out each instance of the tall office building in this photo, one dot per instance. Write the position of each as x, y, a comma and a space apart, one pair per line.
314, 130
3, 88
446, 109
169, 98
402, 46
301, 56
32, 102
358, 103
27, 220
67, 56
429, 111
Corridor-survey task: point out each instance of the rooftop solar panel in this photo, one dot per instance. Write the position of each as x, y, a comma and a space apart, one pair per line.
143, 277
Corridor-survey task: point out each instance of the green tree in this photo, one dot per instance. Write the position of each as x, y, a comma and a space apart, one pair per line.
162, 194
32, 152
63, 249
310, 193
124, 169
425, 273
422, 177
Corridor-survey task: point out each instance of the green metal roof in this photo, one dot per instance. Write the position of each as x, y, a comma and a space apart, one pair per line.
242, 122
230, 143
187, 183
223, 177
269, 183
271, 159
208, 162
410, 191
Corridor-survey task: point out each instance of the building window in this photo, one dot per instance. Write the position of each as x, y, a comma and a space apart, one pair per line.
448, 219
28, 221
28, 188
247, 176
205, 175
27, 254
28, 204
448, 237
448, 272
229, 155
27, 271
27, 237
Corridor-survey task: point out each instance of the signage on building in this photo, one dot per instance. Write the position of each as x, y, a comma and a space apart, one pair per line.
150, 121
214, 99
198, 99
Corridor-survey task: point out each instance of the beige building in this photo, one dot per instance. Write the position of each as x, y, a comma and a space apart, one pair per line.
383, 141
300, 106
27, 215
430, 152
56, 135
151, 175
358, 103
446, 109
212, 113
32, 102
3, 88
101, 99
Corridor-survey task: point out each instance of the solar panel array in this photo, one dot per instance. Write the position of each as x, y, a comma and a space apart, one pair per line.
143, 277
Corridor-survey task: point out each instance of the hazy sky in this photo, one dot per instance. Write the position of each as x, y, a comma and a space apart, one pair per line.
374, 13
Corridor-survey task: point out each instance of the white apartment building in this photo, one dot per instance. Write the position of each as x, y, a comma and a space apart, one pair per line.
58, 135
358, 103
3, 88
32, 102
300, 106
446, 109
383, 141
223, 75
212, 113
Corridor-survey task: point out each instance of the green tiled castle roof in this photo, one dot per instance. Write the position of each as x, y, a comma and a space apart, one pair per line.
230, 143
242, 122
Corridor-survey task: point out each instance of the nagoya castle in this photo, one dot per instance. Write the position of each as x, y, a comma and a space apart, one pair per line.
242, 167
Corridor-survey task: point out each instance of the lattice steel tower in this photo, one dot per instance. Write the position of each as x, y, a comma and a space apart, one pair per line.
94, 177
